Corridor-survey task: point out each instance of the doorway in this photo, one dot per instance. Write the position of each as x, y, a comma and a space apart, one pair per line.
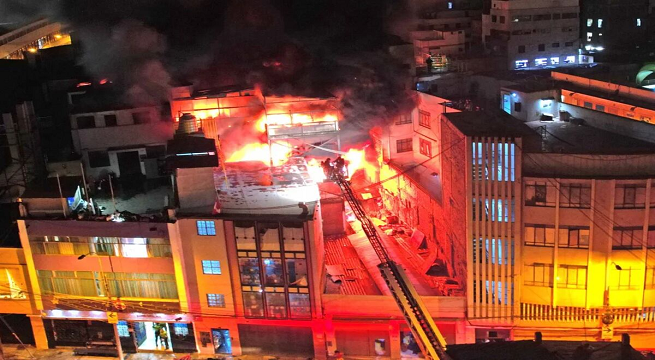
222, 341
129, 163
148, 336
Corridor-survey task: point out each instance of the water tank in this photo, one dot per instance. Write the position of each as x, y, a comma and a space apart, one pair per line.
187, 125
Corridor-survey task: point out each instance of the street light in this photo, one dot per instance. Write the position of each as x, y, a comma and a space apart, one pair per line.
117, 339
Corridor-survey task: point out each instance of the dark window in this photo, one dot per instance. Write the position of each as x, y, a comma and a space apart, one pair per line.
521, 49
502, 19
541, 17
573, 237
575, 195
555, 45
539, 235
141, 117
155, 151
518, 18
517, 107
425, 147
569, 15
98, 159
627, 238
403, 119
86, 122
630, 196
600, 107
588, 105
424, 118
110, 120
557, 16
404, 145
542, 47
493, 18
568, 43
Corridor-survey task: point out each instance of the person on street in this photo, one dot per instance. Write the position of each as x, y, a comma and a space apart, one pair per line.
163, 335
156, 327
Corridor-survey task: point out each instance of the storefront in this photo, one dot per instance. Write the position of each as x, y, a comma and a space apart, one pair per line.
276, 340
137, 331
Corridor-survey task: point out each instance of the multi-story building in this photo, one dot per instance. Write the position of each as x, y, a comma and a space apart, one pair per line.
490, 231
114, 137
614, 30
40, 34
533, 33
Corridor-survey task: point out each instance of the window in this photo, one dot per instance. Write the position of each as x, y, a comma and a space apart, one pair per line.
249, 269
638, 22
110, 120
589, 36
624, 279
273, 272
11, 284
600, 107
600, 23
424, 118
573, 237
541, 62
518, 18
627, 238
539, 275
569, 15
554, 60
502, 19
517, 107
541, 17
98, 159
404, 145
134, 247
630, 196
575, 195
403, 119
520, 64
211, 267
650, 241
569, 59
555, 45
297, 273
253, 304
588, 105
299, 306
493, 18
521, 49
590, 22
568, 43
142, 117
206, 227
216, 300
425, 147
572, 277
539, 194
541, 47
450, 5
86, 122
539, 235
557, 16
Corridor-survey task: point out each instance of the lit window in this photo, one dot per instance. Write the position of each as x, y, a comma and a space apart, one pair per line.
520, 64
450, 4
638, 22
134, 247
570, 59
205, 228
554, 60
211, 267
589, 36
216, 300
590, 22
600, 23
540, 62
425, 147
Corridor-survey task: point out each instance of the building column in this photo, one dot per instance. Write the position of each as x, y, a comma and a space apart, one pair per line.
40, 338
394, 339
319, 336
330, 337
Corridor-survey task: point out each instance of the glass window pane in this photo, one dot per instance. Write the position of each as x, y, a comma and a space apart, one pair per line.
563, 237
297, 272
134, 247
244, 233
276, 305
550, 236
273, 272
253, 304
529, 234
269, 237
584, 237
299, 306
249, 268
293, 237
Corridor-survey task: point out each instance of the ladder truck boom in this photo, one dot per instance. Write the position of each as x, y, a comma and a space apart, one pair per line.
426, 333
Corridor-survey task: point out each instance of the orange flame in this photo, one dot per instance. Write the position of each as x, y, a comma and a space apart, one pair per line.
278, 153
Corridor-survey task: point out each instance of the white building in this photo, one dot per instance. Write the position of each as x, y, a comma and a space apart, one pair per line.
534, 33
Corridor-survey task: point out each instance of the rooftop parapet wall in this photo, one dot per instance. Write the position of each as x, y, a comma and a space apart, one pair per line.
610, 88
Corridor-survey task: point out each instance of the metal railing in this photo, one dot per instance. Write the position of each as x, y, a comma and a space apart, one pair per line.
102, 249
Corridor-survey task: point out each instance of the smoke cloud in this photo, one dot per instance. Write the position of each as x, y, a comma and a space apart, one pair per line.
287, 47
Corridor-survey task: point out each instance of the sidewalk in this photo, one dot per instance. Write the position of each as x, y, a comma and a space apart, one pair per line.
14, 352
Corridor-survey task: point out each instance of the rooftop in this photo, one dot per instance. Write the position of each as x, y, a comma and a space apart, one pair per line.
569, 138
478, 123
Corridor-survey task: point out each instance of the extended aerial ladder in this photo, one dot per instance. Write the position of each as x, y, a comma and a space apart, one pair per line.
426, 333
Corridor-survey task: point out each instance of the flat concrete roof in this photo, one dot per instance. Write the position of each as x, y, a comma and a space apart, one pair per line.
568, 138
479, 123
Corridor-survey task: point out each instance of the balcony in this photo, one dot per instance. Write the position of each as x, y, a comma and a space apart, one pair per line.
104, 246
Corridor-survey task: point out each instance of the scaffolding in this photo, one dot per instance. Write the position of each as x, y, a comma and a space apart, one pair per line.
19, 145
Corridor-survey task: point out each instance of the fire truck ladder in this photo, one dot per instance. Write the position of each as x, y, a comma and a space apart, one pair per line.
425, 331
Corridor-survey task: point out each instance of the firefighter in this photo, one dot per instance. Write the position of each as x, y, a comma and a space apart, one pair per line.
429, 62
339, 165
327, 168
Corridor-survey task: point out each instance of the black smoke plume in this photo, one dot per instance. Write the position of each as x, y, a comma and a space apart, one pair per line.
287, 47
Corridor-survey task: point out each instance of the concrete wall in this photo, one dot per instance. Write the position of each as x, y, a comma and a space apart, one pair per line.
636, 129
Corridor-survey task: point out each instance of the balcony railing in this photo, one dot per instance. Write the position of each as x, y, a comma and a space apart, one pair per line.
537, 312
127, 247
